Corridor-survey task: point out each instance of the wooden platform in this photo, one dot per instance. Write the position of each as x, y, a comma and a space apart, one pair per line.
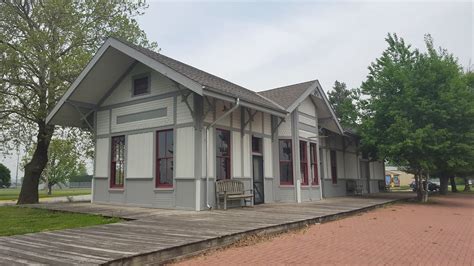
156, 235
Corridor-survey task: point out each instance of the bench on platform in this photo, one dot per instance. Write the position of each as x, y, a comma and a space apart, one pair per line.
354, 187
231, 190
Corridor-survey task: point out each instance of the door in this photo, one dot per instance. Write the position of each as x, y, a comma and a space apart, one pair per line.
259, 196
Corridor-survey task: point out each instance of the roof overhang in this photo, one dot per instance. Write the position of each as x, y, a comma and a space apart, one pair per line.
111, 61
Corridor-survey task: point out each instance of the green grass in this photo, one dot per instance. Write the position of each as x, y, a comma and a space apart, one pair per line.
461, 188
18, 220
12, 193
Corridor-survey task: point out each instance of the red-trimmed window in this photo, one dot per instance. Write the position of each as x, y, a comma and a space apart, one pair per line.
117, 162
164, 158
286, 162
222, 154
304, 163
333, 167
314, 162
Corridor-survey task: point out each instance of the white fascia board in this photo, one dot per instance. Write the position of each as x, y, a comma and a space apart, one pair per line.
245, 103
325, 99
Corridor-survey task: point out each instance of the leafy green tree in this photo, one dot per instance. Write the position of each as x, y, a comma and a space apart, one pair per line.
5, 177
43, 46
417, 111
343, 102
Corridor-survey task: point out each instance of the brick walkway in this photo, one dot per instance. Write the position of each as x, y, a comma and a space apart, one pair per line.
440, 233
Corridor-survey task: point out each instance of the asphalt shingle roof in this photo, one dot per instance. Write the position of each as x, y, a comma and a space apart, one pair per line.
208, 80
287, 95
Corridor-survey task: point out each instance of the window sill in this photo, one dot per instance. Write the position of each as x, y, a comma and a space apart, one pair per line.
287, 186
159, 189
118, 190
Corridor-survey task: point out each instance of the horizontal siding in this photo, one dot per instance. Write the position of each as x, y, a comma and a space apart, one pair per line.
103, 122
307, 121
267, 124
123, 92
307, 107
307, 134
140, 155
257, 123
284, 130
183, 114
221, 108
141, 107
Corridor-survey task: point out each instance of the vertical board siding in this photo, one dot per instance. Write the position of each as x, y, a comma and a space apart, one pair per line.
247, 156
103, 122
183, 114
236, 155
102, 157
123, 92
267, 158
284, 130
140, 156
164, 199
184, 146
142, 107
377, 172
268, 188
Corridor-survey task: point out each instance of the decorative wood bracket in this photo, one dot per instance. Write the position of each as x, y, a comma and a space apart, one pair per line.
250, 119
83, 115
274, 129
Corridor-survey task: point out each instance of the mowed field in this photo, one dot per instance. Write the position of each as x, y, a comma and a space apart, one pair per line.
12, 193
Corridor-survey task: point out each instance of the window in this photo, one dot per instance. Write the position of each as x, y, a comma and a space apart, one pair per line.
333, 167
314, 162
117, 162
256, 145
222, 154
304, 163
141, 85
164, 158
286, 162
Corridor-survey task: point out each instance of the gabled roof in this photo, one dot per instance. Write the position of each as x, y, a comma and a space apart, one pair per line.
287, 95
209, 81
113, 59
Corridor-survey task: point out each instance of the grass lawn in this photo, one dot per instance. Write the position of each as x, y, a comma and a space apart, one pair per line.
12, 193
17, 220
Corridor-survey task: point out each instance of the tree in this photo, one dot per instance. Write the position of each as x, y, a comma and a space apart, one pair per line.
417, 111
43, 46
342, 101
5, 177
64, 161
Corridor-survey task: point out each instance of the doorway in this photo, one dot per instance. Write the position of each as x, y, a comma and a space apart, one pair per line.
257, 165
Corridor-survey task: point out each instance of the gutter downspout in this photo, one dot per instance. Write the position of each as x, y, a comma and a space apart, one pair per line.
237, 104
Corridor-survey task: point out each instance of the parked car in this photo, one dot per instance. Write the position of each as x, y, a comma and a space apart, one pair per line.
432, 186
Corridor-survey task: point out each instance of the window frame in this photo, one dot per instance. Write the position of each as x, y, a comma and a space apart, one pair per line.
260, 145
313, 155
280, 161
227, 158
304, 162
333, 159
158, 159
140, 76
113, 163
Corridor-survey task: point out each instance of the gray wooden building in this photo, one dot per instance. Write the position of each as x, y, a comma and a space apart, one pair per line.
166, 131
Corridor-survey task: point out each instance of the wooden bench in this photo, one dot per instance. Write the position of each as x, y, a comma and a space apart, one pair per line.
231, 190
354, 187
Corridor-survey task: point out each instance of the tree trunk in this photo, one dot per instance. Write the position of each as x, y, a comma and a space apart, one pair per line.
453, 184
443, 183
467, 187
33, 169
50, 188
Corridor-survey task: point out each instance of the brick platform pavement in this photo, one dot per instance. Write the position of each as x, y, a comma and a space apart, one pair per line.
440, 233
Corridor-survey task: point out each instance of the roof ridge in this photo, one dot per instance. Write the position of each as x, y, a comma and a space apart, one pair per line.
289, 85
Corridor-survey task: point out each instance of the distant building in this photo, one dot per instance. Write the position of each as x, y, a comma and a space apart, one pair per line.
398, 177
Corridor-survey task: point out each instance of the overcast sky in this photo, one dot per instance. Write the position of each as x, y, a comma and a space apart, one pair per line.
262, 45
